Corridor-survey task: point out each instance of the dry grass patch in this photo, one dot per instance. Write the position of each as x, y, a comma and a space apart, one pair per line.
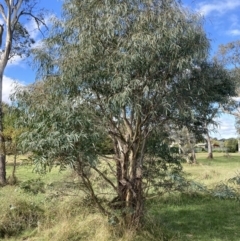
212, 172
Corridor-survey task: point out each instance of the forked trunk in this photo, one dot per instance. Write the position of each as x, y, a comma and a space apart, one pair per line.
130, 193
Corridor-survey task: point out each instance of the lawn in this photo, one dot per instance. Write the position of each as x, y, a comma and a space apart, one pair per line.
60, 212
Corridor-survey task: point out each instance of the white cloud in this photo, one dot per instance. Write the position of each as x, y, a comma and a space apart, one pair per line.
236, 98
219, 7
34, 30
234, 32
8, 87
226, 127
15, 61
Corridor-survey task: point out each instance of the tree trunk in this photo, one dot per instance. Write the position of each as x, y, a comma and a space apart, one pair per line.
194, 157
130, 193
3, 180
210, 153
139, 201
12, 180
83, 172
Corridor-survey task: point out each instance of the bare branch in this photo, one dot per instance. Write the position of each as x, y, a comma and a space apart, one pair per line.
3, 13
7, 2
1, 34
236, 114
126, 122
16, 8
105, 178
37, 20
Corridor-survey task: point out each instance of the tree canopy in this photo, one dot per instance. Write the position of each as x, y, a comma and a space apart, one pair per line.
229, 56
121, 68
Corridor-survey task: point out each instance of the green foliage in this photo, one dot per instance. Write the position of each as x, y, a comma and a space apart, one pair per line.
237, 125
174, 149
231, 145
34, 186
225, 191
19, 216
11, 133
15, 40
120, 68
186, 142
199, 149
193, 214
162, 166
228, 55
59, 134
236, 179
105, 145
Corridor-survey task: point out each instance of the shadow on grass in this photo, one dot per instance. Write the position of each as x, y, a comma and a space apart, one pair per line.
198, 218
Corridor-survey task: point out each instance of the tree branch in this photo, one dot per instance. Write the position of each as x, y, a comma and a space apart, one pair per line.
16, 8
7, 2
37, 20
105, 178
127, 124
3, 13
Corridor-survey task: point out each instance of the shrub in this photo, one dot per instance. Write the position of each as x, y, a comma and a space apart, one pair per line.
34, 186
19, 217
231, 145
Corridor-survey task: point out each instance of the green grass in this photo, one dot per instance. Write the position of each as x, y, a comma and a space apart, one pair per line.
198, 218
202, 217
211, 172
170, 217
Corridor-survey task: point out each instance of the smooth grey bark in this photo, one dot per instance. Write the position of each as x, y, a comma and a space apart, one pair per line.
209, 144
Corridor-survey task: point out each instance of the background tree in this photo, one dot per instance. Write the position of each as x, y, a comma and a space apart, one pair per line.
186, 142
11, 135
17, 43
231, 145
229, 56
129, 67
209, 119
10, 132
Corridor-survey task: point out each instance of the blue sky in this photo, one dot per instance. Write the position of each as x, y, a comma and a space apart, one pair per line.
221, 22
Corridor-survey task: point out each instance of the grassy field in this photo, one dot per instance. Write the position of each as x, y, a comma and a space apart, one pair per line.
202, 217
210, 172
52, 207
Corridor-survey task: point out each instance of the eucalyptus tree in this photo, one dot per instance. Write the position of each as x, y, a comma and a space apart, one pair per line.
15, 40
186, 142
209, 126
130, 67
229, 56
231, 145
